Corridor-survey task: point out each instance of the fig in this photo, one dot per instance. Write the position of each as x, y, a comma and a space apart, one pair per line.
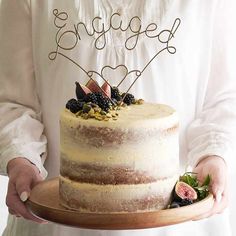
184, 191
81, 90
106, 89
93, 86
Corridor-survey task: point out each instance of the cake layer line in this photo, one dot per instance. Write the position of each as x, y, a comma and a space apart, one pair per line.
108, 137
97, 174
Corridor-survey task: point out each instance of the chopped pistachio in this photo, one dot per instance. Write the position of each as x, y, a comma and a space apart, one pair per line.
86, 108
98, 118
97, 109
108, 115
103, 112
91, 112
94, 105
139, 101
79, 113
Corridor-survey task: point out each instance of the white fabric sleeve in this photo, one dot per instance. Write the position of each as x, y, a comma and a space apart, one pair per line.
213, 131
21, 131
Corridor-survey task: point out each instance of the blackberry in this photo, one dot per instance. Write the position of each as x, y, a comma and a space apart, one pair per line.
91, 97
103, 102
99, 95
115, 102
74, 106
71, 101
174, 205
185, 202
115, 94
128, 98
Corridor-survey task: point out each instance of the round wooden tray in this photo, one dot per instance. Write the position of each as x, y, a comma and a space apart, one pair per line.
44, 203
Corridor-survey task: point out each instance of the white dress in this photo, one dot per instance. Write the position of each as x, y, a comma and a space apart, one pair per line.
47, 45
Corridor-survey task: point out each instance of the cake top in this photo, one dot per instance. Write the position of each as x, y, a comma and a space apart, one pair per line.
146, 114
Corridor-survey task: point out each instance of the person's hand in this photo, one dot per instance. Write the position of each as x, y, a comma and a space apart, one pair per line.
23, 176
216, 167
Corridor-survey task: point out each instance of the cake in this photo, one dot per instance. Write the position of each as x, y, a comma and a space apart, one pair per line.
127, 162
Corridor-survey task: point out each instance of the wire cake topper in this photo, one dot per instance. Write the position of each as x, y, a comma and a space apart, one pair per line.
99, 32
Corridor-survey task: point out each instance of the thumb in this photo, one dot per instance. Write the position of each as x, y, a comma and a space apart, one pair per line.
23, 187
24, 196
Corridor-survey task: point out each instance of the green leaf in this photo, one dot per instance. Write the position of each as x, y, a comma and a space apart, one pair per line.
190, 179
202, 188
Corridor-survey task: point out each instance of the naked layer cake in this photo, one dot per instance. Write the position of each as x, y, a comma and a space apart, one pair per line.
126, 164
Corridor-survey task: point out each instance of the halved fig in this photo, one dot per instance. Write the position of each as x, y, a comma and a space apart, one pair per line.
184, 191
106, 89
93, 86
81, 90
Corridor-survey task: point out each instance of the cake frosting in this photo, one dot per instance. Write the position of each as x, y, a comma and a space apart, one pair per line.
124, 165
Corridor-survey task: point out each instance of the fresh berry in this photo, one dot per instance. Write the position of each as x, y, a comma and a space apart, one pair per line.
71, 101
185, 202
174, 205
128, 98
103, 102
114, 101
91, 97
74, 106
115, 93
99, 95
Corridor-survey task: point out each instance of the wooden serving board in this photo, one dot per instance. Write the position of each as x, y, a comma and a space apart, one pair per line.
44, 203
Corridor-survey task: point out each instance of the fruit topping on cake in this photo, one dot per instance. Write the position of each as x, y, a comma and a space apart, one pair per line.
100, 103
128, 98
106, 89
74, 105
81, 90
115, 94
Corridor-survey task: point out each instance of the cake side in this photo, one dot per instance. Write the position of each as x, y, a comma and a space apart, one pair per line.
137, 152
